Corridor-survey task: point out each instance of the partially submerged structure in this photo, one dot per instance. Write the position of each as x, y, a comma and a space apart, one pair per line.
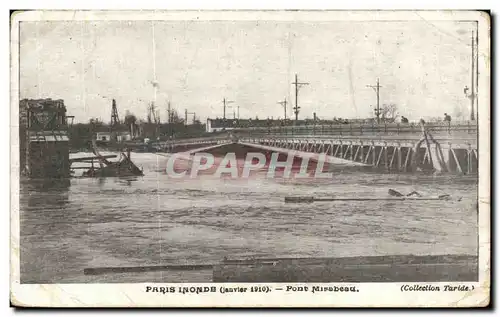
43, 138
44, 145
100, 166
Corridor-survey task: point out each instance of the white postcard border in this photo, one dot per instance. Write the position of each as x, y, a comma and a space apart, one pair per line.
368, 295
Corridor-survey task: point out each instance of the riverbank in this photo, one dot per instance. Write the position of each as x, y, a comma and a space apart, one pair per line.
370, 269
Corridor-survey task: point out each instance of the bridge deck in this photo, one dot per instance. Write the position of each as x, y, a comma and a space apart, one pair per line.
461, 135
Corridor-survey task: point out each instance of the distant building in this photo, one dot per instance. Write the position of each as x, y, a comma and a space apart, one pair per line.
107, 136
123, 136
103, 136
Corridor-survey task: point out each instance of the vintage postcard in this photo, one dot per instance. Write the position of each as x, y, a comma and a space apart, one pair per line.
250, 158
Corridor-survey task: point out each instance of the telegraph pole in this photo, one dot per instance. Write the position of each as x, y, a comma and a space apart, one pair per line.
477, 73
283, 103
169, 120
472, 95
169, 111
377, 90
186, 116
473, 88
225, 102
297, 86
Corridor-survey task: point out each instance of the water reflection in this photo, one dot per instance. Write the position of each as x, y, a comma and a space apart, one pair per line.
47, 184
128, 181
44, 194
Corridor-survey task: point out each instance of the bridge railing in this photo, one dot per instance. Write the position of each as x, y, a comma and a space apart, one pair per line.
466, 127
195, 140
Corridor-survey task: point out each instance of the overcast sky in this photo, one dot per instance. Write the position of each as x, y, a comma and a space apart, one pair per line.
423, 66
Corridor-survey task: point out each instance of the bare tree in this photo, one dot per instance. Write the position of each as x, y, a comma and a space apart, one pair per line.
389, 112
175, 117
130, 118
95, 121
131, 122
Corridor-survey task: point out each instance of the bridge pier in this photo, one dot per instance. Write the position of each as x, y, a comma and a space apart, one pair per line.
399, 160
463, 161
408, 155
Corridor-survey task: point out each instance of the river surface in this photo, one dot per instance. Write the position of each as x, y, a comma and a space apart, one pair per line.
155, 220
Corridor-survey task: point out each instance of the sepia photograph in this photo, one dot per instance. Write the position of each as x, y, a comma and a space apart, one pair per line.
221, 157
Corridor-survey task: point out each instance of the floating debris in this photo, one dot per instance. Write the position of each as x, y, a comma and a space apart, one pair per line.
123, 167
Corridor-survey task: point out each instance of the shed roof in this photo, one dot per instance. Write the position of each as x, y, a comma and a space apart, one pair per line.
48, 136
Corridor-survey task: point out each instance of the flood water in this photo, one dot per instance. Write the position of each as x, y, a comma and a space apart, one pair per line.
156, 220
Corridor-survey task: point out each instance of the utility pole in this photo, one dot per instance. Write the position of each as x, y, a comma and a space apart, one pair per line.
477, 73
169, 120
158, 121
154, 113
377, 90
225, 102
151, 113
297, 86
283, 103
169, 111
186, 116
473, 87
